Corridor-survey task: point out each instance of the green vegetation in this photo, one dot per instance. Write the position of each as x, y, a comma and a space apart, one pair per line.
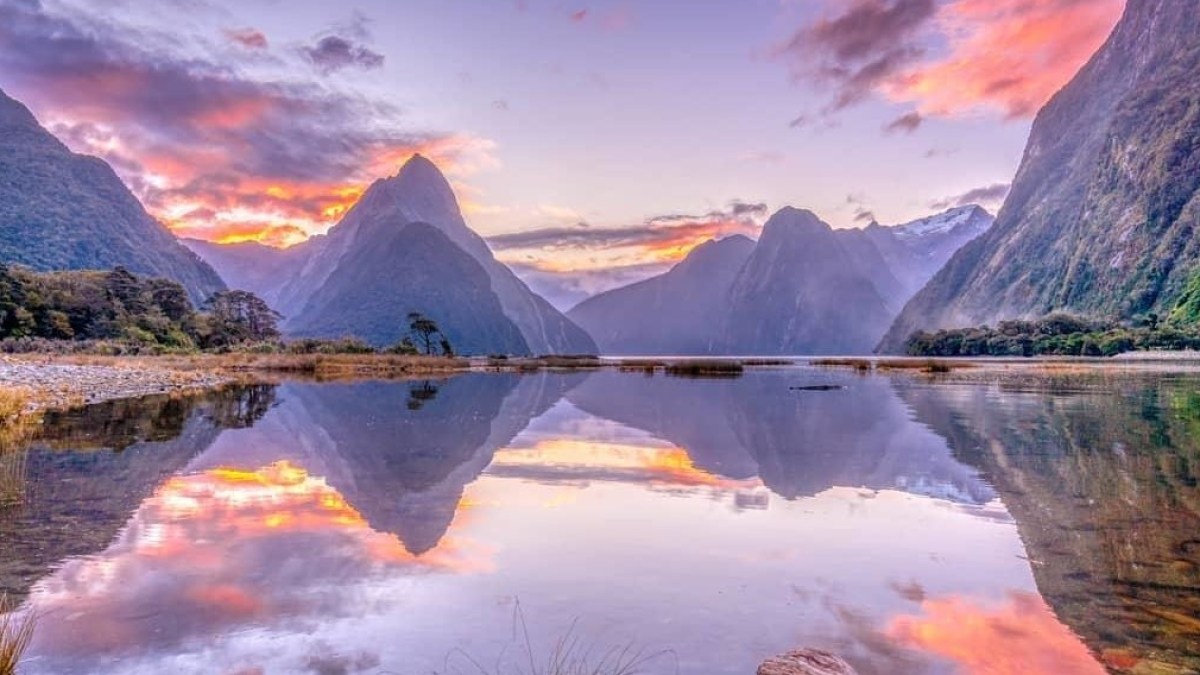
425, 333
119, 311
1062, 335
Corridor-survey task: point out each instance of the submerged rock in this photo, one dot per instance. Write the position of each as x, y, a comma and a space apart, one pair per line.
806, 662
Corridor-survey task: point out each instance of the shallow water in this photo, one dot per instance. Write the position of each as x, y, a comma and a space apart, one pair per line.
1041, 525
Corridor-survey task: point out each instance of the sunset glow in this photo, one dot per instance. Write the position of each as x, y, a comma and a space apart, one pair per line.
1021, 636
203, 531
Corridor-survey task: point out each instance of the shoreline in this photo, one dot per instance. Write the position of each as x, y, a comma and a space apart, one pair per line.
56, 382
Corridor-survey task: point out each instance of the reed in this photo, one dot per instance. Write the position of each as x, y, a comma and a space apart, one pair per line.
17, 424
705, 368
16, 632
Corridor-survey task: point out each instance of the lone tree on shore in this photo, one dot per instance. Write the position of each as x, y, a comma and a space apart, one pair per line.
241, 316
425, 332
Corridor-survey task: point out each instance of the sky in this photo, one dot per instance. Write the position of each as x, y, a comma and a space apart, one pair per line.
593, 142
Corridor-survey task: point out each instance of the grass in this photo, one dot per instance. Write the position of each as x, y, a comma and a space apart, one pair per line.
705, 368
17, 423
929, 366
569, 655
16, 632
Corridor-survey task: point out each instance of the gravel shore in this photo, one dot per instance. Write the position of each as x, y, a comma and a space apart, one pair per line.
58, 385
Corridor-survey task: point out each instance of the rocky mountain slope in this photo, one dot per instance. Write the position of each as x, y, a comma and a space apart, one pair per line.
1102, 214
60, 210
674, 313
804, 288
362, 278
802, 291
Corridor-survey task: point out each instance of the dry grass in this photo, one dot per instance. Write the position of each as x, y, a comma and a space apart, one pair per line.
17, 424
16, 632
928, 366
568, 656
705, 368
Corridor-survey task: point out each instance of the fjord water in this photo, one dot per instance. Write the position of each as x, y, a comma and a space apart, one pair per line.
1031, 524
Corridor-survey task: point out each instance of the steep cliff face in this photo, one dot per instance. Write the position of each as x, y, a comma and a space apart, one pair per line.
801, 293
816, 277
420, 194
409, 268
674, 313
64, 211
1102, 213
321, 285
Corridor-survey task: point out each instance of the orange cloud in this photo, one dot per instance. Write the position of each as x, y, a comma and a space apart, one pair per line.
1008, 55
662, 240
216, 148
948, 58
1020, 637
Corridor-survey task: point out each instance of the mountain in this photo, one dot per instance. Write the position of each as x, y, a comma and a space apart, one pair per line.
455, 280
673, 313
409, 268
251, 266
1102, 214
803, 291
915, 251
60, 210
803, 288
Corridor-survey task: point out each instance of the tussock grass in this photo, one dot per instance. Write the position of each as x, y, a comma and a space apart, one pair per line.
17, 424
569, 655
705, 368
929, 366
16, 632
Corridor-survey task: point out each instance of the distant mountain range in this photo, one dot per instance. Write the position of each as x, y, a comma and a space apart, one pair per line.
404, 247
803, 288
1103, 215
60, 210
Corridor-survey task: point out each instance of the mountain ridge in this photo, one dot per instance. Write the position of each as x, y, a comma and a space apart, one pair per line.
61, 210
1101, 217
688, 309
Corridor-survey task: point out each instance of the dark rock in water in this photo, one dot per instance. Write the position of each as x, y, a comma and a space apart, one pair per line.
818, 387
806, 662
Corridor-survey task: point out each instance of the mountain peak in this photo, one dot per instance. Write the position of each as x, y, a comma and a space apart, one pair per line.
793, 220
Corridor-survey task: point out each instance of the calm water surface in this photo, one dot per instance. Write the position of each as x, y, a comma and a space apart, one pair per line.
1034, 525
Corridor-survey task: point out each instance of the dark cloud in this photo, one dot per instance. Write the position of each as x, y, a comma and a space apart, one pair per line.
859, 48
660, 231
500, 105
248, 38
334, 52
579, 15
907, 123
739, 208
988, 194
862, 215
207, 132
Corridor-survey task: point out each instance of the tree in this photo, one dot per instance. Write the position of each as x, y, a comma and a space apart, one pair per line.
240, 316
424, 330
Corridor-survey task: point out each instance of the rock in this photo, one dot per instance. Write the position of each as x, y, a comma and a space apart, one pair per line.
806, 662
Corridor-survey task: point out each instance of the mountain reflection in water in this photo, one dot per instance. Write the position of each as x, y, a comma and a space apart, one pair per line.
395, 526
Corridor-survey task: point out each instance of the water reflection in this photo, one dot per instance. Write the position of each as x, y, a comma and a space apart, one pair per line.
120, 452
392, 525
1102, 478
